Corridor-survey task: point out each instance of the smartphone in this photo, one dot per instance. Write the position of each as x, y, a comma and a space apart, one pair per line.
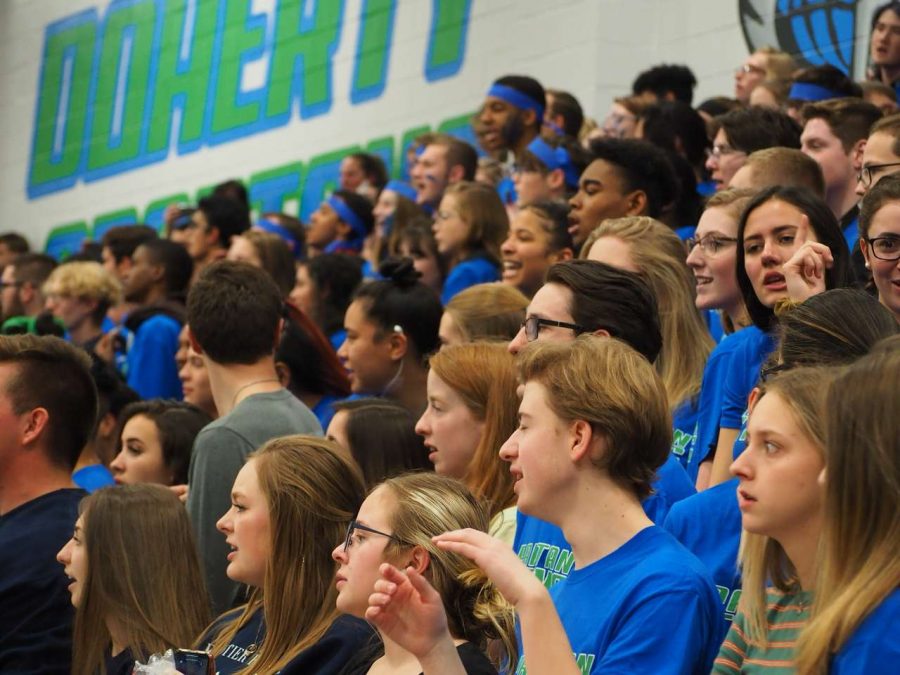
191, 662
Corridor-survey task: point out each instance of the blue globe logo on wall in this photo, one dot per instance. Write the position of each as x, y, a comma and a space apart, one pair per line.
816, 32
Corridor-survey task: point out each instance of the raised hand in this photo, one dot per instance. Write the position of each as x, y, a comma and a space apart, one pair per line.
804, 272
512, 578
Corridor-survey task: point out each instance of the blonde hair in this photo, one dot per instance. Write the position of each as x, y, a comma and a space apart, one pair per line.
763, 560
488, 311
660, 256
859, 562
787, 167
129, 534
429, 504
608, 384
484, 213
484, 376
732, 201
84, 280
313, 489
779, 65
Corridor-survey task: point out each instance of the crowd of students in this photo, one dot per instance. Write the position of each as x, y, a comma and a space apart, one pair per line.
615, 397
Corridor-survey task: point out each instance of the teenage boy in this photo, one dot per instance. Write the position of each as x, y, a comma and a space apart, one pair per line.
512, 114
21, 283
234, 313
441, 162
48, 407
208, 235
594, 427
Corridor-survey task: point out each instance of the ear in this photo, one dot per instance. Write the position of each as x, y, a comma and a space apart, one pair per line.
455, 174
279, 330
601, 332
864, 247
32, 425
27, 292
637, 203
420, 560
752, 399
529, 117
284, 373
124, 265
581, 440
159, 272
193, 340
856, 154
106, 426
398, 345
556, 179
343, 230
562, 255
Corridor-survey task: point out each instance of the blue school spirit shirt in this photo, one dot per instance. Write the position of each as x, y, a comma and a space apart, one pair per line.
475, 270
743, 374
152, 371
92, 478
647, 607
717, 370
544, 549
337, 338
684, 431
708, 524
874, 645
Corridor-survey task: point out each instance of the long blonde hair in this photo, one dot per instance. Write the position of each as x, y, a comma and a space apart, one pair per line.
129, 535
313, 489
660, 256
763, 560
860, 559
484, 376
428, 504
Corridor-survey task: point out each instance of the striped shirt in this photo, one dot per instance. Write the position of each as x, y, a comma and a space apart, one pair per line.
786, 614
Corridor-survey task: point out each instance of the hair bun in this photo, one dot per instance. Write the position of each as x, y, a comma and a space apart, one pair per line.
400, 271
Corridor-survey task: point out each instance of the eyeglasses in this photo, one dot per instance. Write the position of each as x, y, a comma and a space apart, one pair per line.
532, 326
748, 68
721, 149
710, 244
885, 248
353, 526
865, 175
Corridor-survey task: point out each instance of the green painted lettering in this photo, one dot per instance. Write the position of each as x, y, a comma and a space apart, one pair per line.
372, 49
188, 85
237, 38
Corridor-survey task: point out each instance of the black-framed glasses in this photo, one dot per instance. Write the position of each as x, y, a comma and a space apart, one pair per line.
354, 525
710, 244
865, 174
532, 326
885, 248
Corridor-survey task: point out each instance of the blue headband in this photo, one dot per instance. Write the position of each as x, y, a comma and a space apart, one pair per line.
554, 158
516, 98
402, 189
804, 91
346, 214
289, 238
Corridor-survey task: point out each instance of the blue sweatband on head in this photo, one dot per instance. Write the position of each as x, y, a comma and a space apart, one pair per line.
346, 214
554, 158
271, 226
402, 189
804, 91
516, 98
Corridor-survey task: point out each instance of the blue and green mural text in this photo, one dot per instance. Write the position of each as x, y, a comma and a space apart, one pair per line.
295, 186
123, 90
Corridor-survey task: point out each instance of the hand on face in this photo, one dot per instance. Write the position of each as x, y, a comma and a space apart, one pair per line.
498, 561
804, 272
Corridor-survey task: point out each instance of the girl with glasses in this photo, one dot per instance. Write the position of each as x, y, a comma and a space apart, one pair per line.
395, 525
879, 239
291, 503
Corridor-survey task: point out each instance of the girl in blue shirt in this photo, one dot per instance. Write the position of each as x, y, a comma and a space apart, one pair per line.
856, 620
469, 227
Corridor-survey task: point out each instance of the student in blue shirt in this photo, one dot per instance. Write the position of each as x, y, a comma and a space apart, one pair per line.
856, 619
790, 246
469, 227
594, 427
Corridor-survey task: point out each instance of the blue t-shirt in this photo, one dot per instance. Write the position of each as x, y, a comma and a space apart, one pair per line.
743, 374
684, 431
324, 409
152, 371
647, 607
851, 234
874, 644
92, 478
544, 549
337, 338
708, 525
477, 270
36, 613
716, 372
714, 325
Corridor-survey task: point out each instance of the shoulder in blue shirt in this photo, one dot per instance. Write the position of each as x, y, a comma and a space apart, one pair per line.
743, 374
708, 524
476, 270
647, 607
92, 478
152, 371
874, 644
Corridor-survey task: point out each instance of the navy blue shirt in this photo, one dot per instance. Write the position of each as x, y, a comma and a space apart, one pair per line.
36, 612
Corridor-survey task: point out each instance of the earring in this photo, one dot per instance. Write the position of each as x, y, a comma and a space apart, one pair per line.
868, 266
